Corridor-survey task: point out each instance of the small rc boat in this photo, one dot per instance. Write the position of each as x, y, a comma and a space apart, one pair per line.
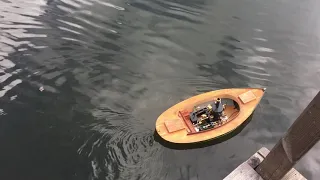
209, 115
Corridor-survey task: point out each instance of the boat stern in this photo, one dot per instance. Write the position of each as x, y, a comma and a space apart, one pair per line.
171, 128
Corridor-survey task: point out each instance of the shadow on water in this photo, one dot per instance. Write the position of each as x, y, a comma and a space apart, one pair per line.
203, 144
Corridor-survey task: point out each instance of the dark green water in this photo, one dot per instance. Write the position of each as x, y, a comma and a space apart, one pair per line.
83, 81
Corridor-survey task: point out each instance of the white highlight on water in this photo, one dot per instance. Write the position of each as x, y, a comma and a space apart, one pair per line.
9, 86
264, 49
260, 39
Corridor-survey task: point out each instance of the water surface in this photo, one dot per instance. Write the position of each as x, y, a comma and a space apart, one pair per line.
83, 81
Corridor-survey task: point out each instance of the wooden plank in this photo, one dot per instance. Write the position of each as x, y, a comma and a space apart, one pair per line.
247, 97
174, 125
246, 170
162, 129
243, 172
303, 134
187, 122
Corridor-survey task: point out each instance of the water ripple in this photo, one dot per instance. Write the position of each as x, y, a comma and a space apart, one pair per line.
165, 10
111, 5
122, 153
97, 74
17, 18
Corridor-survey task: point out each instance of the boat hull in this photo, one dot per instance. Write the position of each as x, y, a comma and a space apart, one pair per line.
172, 127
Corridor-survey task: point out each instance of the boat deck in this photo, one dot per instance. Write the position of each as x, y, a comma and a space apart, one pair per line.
230, 112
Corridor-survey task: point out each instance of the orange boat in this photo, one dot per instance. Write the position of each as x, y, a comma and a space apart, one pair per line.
199, 119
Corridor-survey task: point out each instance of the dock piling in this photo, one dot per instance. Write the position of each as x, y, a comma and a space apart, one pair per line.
278, 164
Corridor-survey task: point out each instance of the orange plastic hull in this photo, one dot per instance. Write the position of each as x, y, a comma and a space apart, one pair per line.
171, 126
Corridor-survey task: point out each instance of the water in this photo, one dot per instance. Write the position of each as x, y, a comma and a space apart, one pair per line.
83, 81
